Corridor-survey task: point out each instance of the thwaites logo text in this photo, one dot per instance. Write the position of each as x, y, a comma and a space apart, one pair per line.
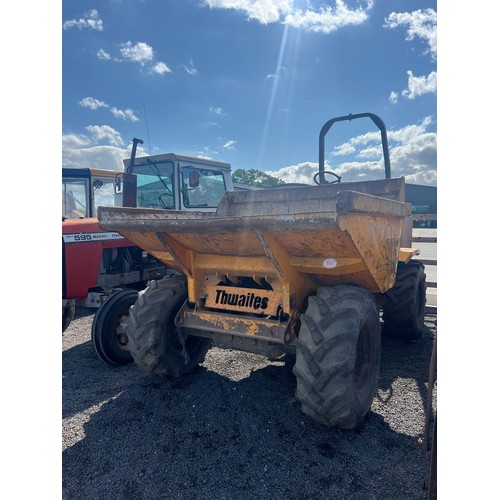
248, 300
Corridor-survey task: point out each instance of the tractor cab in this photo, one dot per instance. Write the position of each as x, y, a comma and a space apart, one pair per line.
175, 182
85, 189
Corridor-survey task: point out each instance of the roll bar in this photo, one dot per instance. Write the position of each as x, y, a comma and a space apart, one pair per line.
328, 125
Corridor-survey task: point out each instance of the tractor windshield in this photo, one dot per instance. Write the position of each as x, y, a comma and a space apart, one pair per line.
82, 194
155, 184
74, 198
202, 188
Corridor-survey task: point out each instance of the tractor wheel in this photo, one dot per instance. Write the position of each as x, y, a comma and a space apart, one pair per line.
108, 328
404, 310
338, 356
156, 344
68, 313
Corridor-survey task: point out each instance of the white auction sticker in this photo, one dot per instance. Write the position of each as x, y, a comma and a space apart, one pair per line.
329, 263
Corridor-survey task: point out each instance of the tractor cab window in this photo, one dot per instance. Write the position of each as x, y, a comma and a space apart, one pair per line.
202, 188
104, 193
155, 184
74, 198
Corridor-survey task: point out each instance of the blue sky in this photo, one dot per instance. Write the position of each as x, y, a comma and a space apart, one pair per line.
251, 82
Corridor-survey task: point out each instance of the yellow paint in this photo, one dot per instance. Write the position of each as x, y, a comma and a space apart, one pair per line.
252, 330
405, 254
225, 323
377, 239
365, 241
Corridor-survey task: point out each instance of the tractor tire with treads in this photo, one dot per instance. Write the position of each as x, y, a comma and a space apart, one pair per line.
68, 313
404, 310
338, 356
108, 328
155, 342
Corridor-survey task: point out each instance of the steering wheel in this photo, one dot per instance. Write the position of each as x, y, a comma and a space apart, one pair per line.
335, 181
163, 204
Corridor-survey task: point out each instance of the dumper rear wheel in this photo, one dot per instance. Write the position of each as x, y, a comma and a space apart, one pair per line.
404, 309
155, 343
338, 356
108, 328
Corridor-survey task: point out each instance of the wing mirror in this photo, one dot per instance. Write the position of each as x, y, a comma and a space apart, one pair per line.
118, 183
194, 179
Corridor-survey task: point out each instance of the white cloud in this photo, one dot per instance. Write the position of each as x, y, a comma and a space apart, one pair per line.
416, 158
189, 68
102, 54
412, 150
363, 139
81, 151
264, 11
75, 141
419, 85
91, 103
216, 110
229, 144
344, 149
370, 152
210, 124
207, 153
124, 114
360, 170
419, 24
101, 133
302, 173
406, 134
107, 157
393, 97
324, 20
140, 52
328, 19
161, 68
94, 104
279, 73
90, 20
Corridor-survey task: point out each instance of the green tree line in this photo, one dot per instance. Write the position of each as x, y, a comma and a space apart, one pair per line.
255, 178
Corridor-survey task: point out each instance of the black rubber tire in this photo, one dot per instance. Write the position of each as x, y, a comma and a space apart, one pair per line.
404, 309
338, 356
108, 328
154, 341
432, 481
68, 313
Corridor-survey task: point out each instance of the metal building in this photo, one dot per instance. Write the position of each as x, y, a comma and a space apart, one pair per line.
423, 200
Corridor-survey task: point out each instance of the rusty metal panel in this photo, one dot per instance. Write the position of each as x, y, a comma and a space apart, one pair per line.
355, 202
243, 244
228, 324
378, 241
306, 199
319, 243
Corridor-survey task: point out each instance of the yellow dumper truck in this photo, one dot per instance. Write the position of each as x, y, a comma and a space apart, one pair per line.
310, 270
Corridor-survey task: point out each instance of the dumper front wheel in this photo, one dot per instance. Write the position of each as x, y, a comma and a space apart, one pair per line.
404, 309
338, 356
155, 343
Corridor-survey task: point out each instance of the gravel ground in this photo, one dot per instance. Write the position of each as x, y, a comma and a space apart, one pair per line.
233, 430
